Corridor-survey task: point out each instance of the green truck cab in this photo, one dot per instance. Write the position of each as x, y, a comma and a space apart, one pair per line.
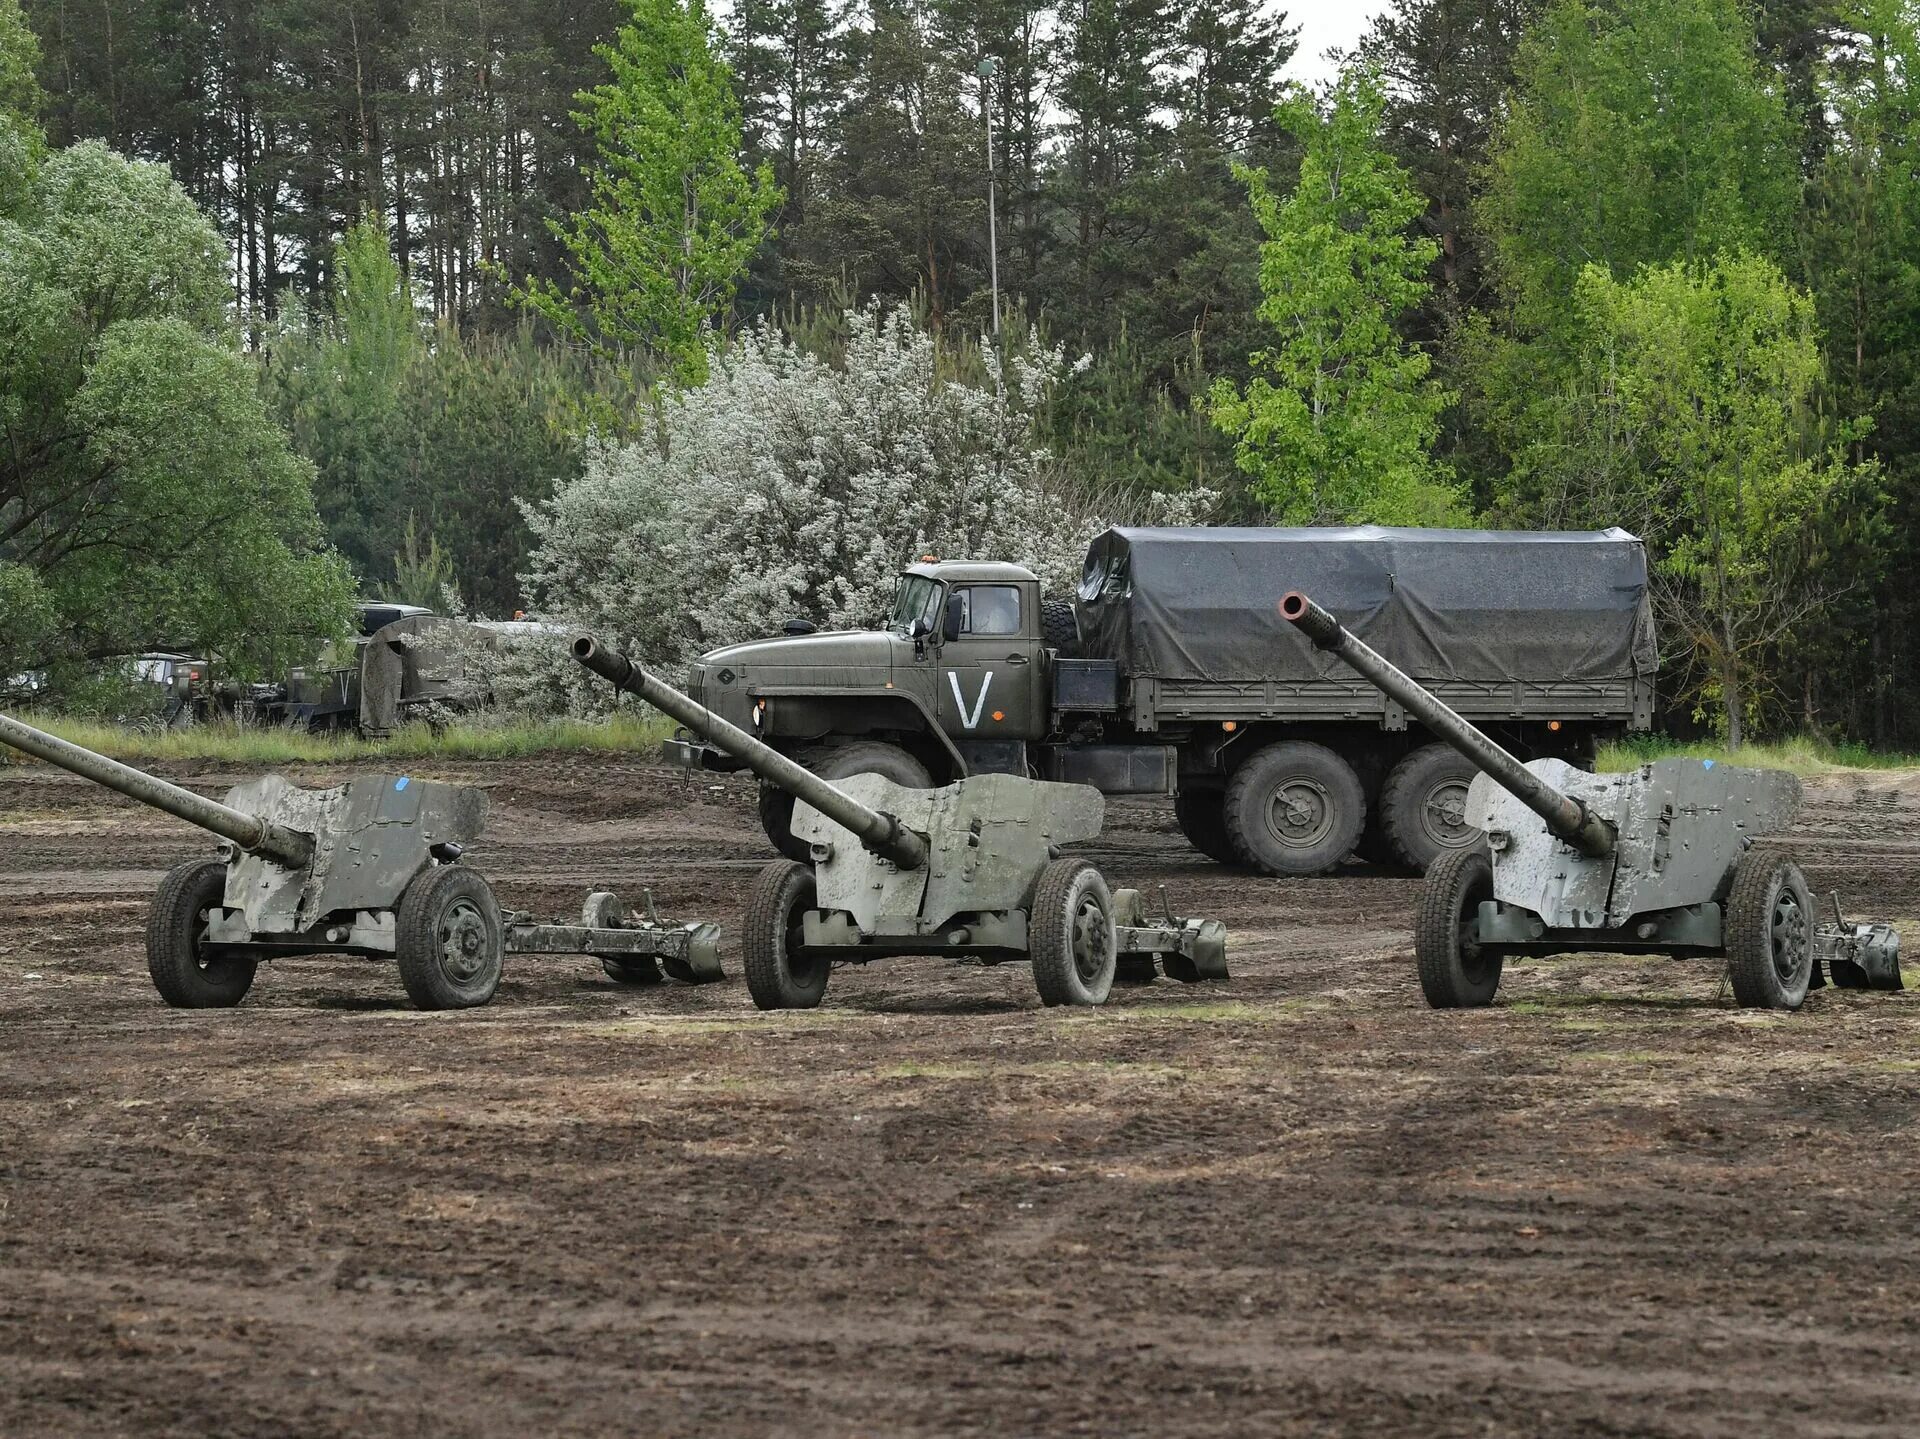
1171, 674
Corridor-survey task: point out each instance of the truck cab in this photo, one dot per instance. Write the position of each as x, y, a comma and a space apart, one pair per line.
953, 684
955, 679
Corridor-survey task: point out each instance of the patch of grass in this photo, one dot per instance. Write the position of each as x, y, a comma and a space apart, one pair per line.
1588, 999
1199, 1012
230, 743
1625, 1056
1041, 1069
1802, 754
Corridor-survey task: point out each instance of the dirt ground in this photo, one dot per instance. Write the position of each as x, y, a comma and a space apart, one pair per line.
1295, 1203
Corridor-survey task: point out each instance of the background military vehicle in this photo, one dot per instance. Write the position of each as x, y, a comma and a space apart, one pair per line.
1166, 675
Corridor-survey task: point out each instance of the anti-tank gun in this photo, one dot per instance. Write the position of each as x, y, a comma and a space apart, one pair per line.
368, 868
972, 870
1660, 859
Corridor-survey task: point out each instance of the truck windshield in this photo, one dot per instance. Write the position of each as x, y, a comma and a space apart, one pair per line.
917, 598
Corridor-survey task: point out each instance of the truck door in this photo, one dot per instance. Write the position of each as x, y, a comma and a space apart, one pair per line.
989, 662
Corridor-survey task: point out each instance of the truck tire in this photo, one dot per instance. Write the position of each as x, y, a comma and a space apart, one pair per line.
840, 761
1423, 806
776, 818
1455, 972
176, 925
448, 939
1201, 815
1071, 934
1295, 808
1060, 628
778, 977
1770, 923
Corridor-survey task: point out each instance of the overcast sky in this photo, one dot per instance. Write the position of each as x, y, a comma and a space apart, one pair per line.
1326, 25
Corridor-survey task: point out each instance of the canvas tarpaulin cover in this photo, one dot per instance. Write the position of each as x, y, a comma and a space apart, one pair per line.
1481, 605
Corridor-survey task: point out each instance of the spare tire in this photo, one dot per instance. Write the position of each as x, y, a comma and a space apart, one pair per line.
1060, 628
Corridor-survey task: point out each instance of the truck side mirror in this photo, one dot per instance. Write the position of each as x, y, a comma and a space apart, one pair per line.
956, 616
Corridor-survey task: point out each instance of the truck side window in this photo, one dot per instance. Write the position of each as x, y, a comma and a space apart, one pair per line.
990, 610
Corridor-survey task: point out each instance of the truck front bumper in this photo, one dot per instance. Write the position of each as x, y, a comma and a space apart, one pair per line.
685, 752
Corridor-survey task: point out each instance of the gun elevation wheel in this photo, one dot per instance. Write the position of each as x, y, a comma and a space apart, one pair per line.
779, 974
1456, 970
187, 976
1770, 923
1071, 935
448, 939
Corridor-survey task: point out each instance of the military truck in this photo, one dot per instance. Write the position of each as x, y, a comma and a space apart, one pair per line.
1169, 673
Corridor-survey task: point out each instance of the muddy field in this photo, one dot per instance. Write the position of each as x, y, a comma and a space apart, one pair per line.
1296, 1203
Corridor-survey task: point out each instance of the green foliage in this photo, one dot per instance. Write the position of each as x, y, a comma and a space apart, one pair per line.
1688, 413
339, 386
1339, 419
20, 94
470, 737
1447, 66
656, 256
428, 433
903, 206
145, 496
1638, 134
1798, 754
421, 575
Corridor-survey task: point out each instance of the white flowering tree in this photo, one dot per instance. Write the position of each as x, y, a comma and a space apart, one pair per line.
788, 486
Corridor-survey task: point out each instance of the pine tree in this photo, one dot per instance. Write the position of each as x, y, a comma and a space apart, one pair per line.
656, 256
1447, 66
1341, 414
902, 208
1114, 90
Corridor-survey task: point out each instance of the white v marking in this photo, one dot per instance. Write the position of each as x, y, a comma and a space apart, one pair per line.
970, 718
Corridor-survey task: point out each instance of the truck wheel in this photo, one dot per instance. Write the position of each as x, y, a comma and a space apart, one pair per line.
1295, 808
1372, 847
1456, 972
776, 818
448, 939
1070, 934
1770, 922
184, 973
1423, 806
841, 761
779, 976
1201, 815
1059, 628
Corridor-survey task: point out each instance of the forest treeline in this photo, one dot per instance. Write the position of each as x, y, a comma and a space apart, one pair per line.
1526, 264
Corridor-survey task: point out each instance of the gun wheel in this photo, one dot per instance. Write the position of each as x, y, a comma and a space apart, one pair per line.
1070, 932
780, 974
450, 943
185, 973
1456, 970
1770, 923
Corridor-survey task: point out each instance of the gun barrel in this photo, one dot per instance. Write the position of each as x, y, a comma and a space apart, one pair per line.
250, 832
1564, 815
881, 833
